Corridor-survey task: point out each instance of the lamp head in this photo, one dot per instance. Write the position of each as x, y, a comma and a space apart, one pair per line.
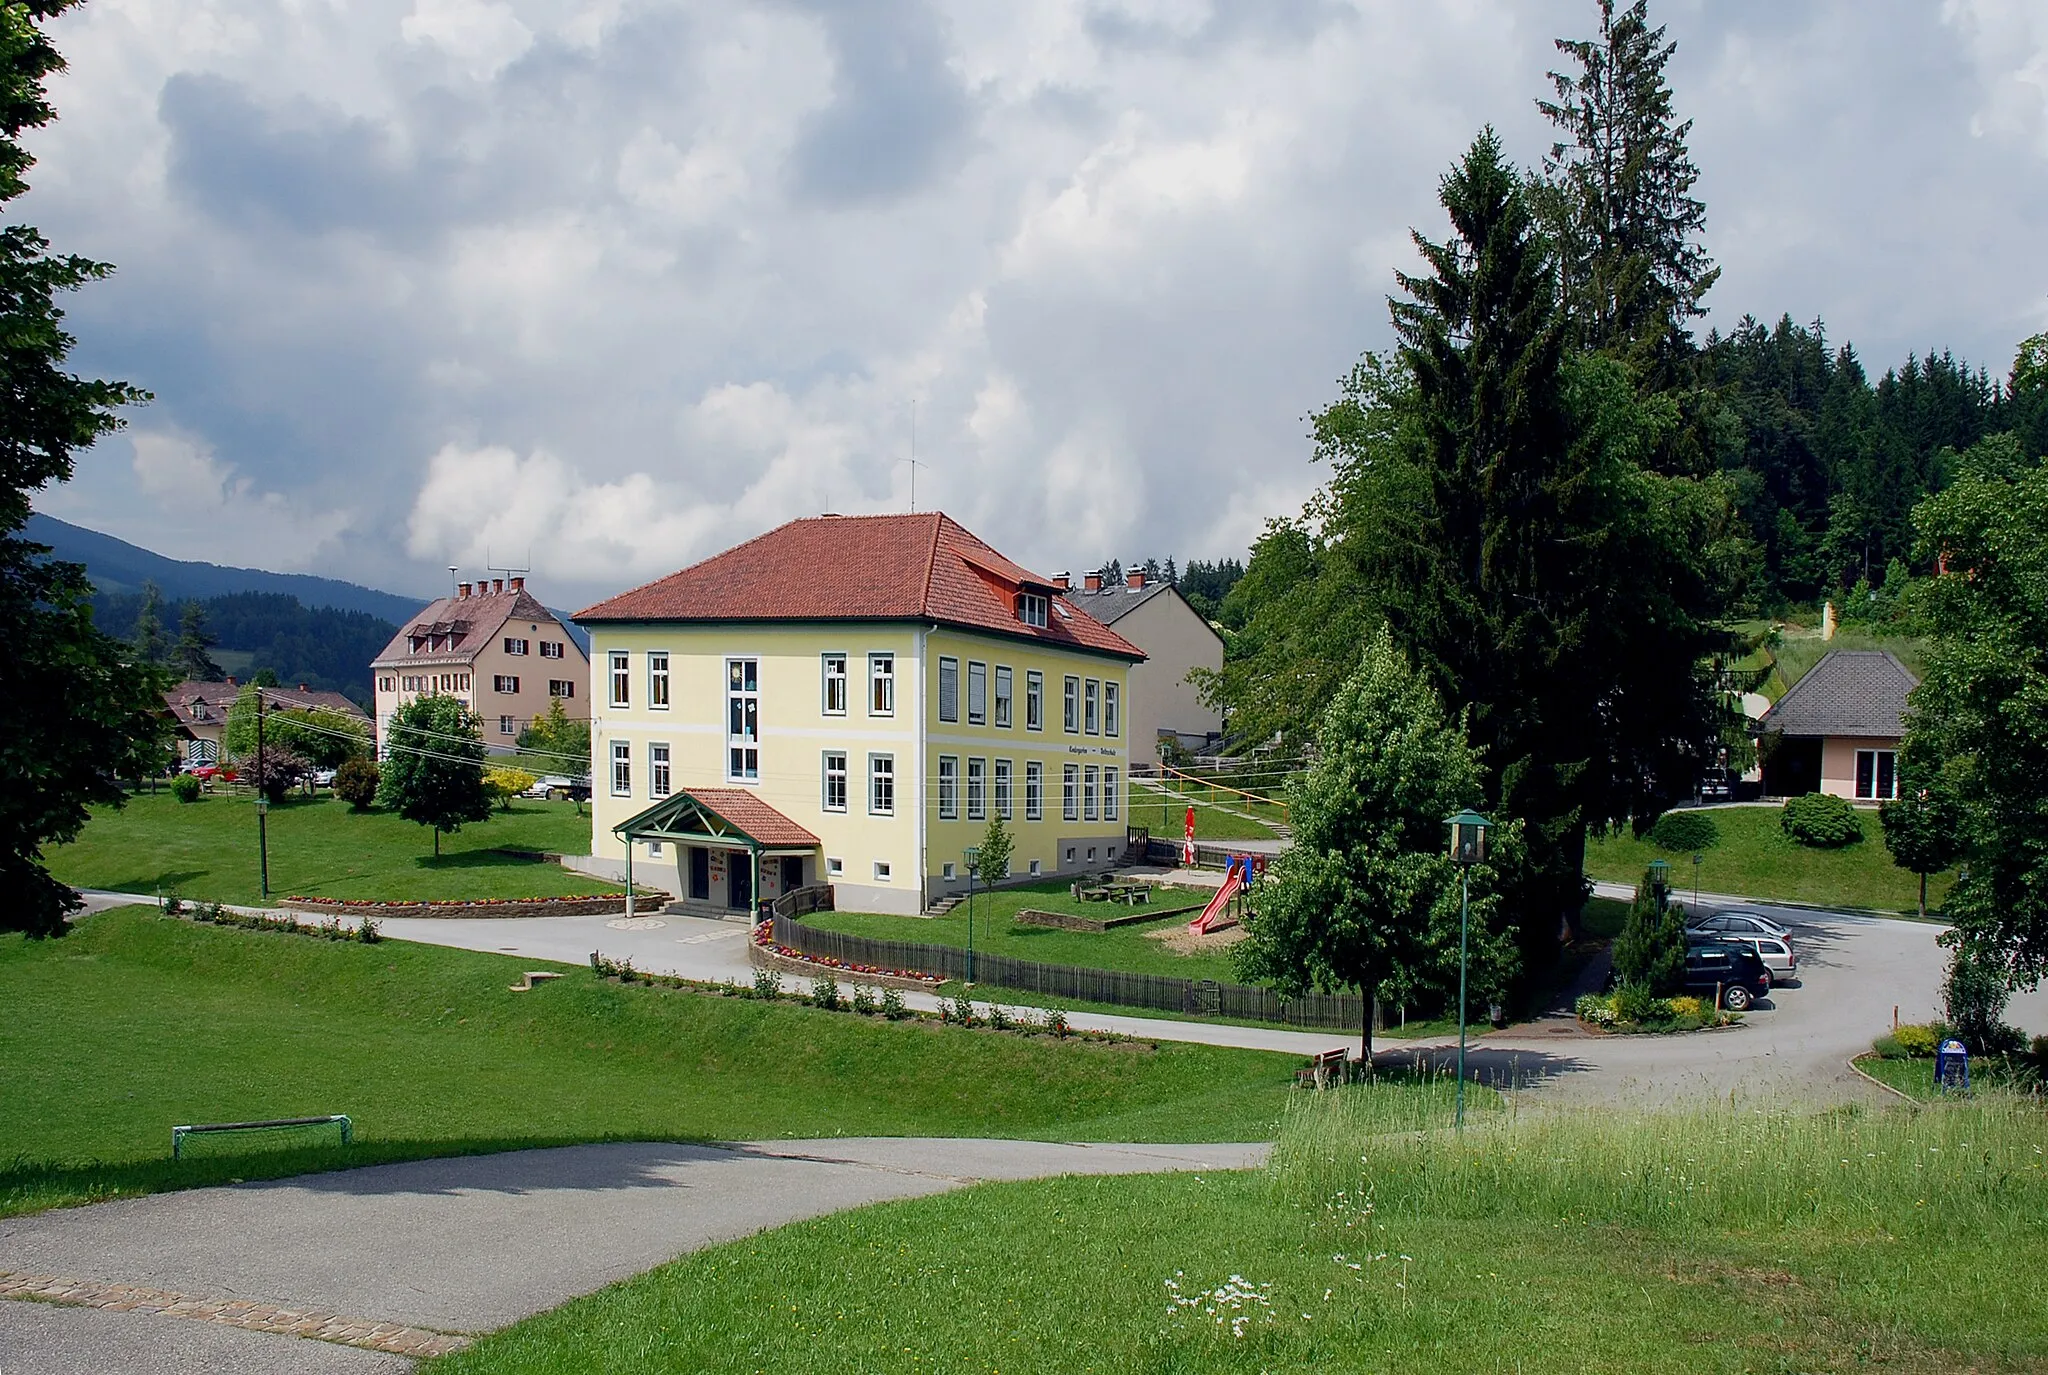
1470, 833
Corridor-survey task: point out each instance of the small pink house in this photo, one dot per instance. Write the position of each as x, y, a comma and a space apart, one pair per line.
1838, 729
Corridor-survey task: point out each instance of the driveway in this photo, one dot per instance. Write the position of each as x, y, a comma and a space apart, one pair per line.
435, 1247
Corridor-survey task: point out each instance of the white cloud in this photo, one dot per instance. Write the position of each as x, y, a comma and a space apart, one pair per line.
2008, 40
479, 36
184, 480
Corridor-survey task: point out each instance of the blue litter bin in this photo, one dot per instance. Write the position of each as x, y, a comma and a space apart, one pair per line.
1952, 1067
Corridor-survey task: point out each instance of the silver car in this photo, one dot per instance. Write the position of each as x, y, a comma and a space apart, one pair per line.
1738, 922
1774, 951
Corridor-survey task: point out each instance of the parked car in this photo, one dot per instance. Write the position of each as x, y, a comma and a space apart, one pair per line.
322, 778
547, 785
1733, 967
1738, 921
1775, 951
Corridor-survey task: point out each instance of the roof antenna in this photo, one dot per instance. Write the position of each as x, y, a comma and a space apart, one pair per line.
912, 460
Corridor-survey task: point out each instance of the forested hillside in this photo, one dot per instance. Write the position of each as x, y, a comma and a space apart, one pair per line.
247, 632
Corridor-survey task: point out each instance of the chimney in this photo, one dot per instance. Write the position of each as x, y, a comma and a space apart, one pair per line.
302, 687
461, 590
497, 586
518, 584
1092, 582
1135, 579
1062, 581
231, 680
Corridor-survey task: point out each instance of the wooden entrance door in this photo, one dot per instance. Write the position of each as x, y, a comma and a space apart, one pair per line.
739, 880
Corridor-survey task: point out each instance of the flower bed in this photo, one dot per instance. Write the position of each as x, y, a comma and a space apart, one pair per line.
600, 905
1635, 1013
764, 952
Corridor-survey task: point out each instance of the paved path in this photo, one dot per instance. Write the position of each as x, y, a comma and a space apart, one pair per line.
463, 1245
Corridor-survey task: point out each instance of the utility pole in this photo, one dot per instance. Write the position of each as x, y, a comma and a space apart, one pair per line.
262, 803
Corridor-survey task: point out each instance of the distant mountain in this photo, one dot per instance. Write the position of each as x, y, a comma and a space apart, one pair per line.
117, 566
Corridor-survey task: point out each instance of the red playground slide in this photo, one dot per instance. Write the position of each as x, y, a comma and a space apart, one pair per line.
1217, 914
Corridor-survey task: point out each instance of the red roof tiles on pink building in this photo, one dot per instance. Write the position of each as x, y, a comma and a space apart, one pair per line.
924, 567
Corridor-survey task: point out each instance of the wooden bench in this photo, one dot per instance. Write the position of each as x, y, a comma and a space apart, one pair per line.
1324, 1068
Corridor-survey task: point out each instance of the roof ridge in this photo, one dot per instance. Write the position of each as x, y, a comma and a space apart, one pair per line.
940, 520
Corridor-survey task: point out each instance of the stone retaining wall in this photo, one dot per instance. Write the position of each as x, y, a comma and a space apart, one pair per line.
511, 907
761, 957
1067, 921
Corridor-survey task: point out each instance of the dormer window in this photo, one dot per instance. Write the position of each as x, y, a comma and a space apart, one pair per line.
1031, 608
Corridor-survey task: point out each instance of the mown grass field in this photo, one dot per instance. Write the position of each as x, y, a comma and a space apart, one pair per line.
135, 1022
1755, 859
1163, 807
1708, 1242
997, 931
206, 850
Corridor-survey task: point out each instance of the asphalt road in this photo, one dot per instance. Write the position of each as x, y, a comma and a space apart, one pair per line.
470, 1244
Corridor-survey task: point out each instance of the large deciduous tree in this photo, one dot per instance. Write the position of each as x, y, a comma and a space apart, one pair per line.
80, 712
1368, 895
433, 773
1979, 721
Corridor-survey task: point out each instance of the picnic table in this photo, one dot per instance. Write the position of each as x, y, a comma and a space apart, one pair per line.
1130, 894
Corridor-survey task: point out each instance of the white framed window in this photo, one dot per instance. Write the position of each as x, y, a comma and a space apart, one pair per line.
743, 720
1877, 775
1037, 867
977, 790
1112, 694
657, 771
1111, 798
1090, 778
657, 679
513, 646
1071, 719
1003, 684
505, 726
834, 866
622, 678
1034, 700
946, 870
561, 687
977, 694
1070, 792
835, 780
502, 682
882, 785
622, 769
1034, 790
1003, 789
949, 689
832, 668
949, 787
1091, 707
881, 684
550, 649
1031, 608
881, 871
654, 849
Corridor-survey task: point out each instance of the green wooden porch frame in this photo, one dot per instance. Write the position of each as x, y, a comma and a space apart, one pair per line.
683, 818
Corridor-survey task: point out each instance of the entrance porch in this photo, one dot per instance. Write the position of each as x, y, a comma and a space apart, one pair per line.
731, 851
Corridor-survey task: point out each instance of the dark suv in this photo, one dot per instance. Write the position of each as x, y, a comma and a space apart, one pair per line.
1735, 968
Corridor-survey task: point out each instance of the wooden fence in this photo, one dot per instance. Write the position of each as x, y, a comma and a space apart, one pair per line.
1115, 987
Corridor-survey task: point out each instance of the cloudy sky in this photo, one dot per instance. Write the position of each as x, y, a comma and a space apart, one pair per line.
614, 284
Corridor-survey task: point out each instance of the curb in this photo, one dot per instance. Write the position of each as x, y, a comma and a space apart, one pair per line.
1862, 1073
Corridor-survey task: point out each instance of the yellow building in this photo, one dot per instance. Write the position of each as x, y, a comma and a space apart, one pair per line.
848, 700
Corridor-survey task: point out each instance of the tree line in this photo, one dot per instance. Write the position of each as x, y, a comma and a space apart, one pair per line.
322, 647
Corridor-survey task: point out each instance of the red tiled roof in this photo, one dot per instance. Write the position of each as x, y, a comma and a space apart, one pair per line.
762, 823
472, 622
219, 697
923, 567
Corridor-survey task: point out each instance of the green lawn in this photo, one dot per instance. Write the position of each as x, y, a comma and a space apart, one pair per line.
1754, 859
1692, 1243
135, 1022
1167, 819
996, 931
207, 850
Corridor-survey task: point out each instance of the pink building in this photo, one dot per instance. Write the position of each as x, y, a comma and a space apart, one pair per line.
1838, 729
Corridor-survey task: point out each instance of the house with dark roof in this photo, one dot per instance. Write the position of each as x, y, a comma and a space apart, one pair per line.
494, 647
1177, 640
1838, 729
849, 700
199, 710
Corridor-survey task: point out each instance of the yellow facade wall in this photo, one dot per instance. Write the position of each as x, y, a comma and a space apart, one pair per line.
916, 843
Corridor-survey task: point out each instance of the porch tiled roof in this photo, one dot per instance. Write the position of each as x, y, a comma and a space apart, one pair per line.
760, 822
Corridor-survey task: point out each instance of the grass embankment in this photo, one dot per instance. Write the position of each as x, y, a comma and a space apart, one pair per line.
998, 932
1754, 858
1688, 1243
1162, 806
206, 850
134, 1023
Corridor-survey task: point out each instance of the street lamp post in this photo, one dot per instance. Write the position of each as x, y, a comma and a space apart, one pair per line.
1469, 833
972, 854
1696, 861
1660, 880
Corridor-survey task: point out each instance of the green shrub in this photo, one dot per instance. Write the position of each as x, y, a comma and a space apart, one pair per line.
185, 788
892, 1005
767, 984
355, 783
1595, 1009
1917, 1040
1638, 1005
1821, 820
1888, 1048
825, 992
863, 999
1685, 832
1056, 1023
1650, 951
1975, 996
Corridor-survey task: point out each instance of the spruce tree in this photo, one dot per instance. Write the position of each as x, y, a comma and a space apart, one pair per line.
150, 644
193, 655
83, 713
